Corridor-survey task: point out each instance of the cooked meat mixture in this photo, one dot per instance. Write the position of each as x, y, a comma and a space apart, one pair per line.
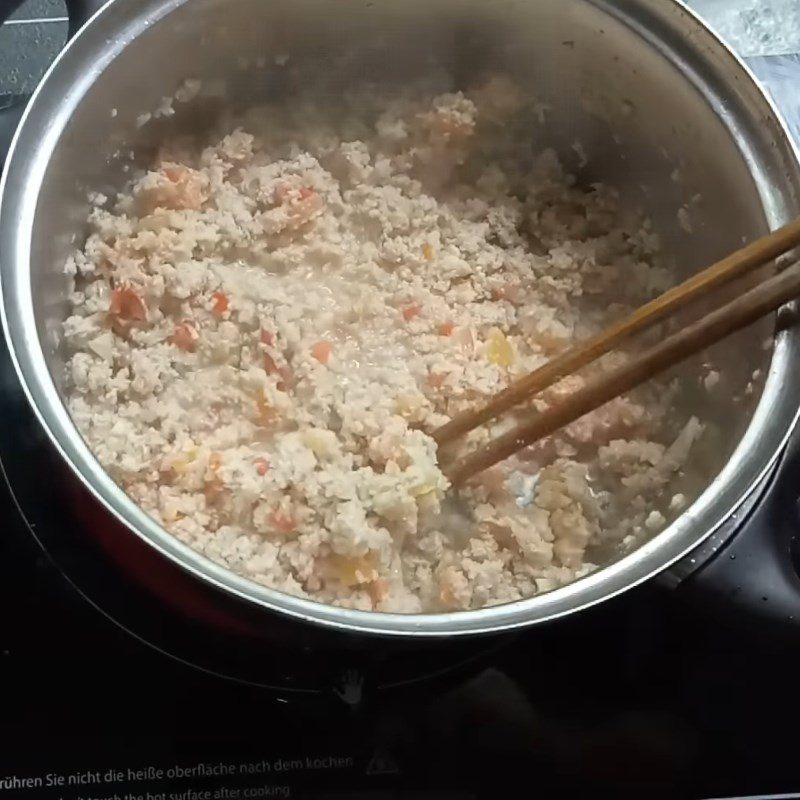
265, 331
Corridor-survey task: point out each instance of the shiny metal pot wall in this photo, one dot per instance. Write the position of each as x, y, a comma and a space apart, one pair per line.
642, 85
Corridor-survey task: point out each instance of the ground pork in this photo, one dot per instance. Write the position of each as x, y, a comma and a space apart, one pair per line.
265, 331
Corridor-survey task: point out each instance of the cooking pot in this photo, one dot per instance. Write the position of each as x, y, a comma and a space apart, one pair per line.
661, 108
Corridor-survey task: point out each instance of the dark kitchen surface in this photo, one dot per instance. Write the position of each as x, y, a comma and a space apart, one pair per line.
29, 41
645, 696
644, 693
648, 696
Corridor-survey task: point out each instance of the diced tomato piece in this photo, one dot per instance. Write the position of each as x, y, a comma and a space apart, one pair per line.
270, 367
287, 382
321, 351
411, 311
282, 522
262, 466
446, 328
187, 189
185, 336
306, 192
127, 305
377, 590
221, 303
267, 337
175, 172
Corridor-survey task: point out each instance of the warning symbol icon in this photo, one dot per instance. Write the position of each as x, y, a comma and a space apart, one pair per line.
382, 764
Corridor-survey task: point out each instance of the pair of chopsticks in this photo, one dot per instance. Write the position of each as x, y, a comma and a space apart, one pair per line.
767, 296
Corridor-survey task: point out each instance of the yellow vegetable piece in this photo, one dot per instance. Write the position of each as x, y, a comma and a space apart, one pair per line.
499, 350
181, 465
320, 442
406, 403
354, 570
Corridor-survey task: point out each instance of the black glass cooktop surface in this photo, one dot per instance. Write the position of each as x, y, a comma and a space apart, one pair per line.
646, 697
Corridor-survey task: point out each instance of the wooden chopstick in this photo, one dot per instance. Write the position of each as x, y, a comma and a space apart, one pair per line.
739, 313
733, 266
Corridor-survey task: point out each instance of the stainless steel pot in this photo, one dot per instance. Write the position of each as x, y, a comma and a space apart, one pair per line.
642, 85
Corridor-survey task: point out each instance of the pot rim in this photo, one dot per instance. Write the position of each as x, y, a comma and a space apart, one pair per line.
65, 83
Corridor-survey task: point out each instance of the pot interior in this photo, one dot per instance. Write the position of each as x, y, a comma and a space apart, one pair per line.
645, 100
